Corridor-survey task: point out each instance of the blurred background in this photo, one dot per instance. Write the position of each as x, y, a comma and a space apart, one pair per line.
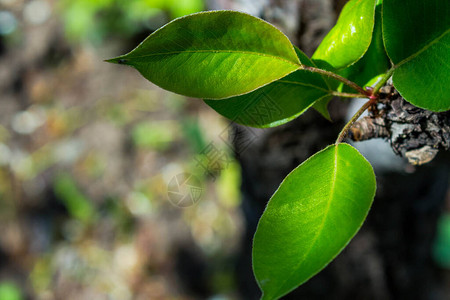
111, 188
87, 151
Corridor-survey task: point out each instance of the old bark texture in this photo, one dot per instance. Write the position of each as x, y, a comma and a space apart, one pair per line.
412, 132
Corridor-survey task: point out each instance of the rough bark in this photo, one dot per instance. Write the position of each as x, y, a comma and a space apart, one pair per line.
412, 132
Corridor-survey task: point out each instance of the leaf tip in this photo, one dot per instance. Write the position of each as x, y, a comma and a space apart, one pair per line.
117, 60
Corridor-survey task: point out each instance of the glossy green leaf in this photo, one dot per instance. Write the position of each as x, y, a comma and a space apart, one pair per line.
417, 39
214, 55
312, 216
277, 103
349, 39
373, 65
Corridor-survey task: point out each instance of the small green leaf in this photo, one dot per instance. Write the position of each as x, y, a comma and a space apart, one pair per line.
417, 39
349, 39
312, 216
214, 55
277, 103
373, 65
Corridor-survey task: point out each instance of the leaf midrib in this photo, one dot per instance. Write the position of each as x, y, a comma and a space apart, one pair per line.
298, 65
319, 231
423, 49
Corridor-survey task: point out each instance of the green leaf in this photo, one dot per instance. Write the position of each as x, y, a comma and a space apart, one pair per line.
373, 65
214, 55
349, 39
277, 103
312, 216
417, 39
321, 106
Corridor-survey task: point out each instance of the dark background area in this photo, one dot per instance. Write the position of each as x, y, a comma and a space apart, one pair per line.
89, 151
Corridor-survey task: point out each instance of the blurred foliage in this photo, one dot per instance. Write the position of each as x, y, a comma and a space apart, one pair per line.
77, 204
155, 135
86, 156
228, 188
194, 134
95, 20
9, 291
441, 249
41, 274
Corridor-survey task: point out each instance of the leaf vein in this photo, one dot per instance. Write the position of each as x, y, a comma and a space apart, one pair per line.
412, 56
325, 215
217, 51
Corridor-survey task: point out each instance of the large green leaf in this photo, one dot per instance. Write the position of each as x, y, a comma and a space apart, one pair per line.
214, 55
278, 102
312, 216
373, 65
417, 39
349, 39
